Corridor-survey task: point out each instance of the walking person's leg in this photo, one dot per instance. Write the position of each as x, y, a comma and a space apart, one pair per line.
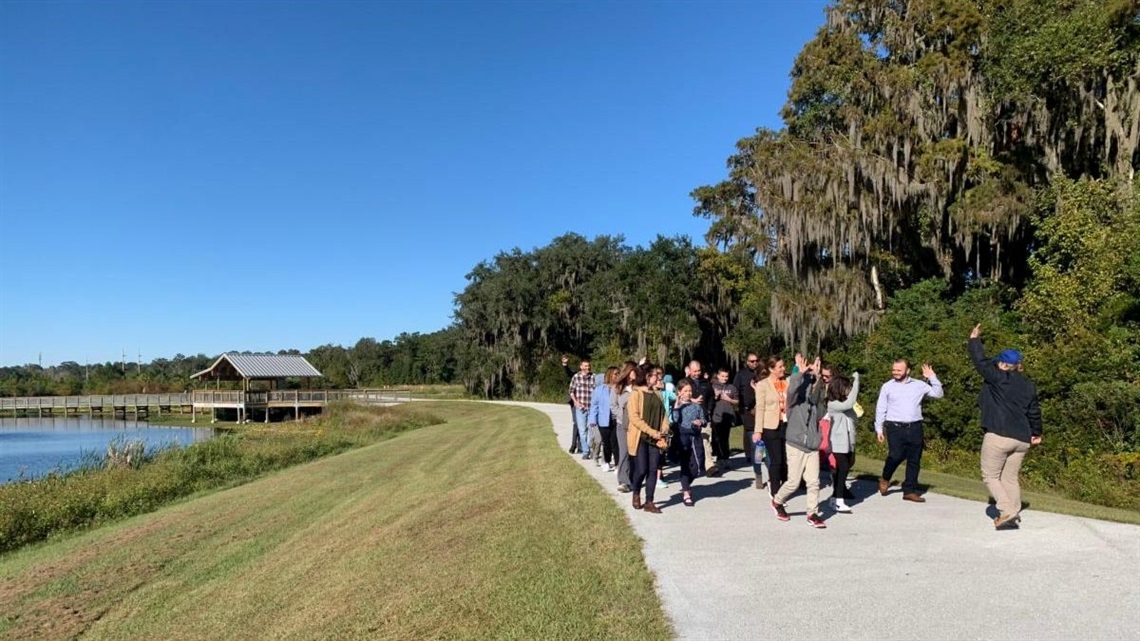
914, 446
811, 477
607, 439
596, 445
580, 418
575, 438
992, 463
623, 467
748, 420
797, 463
896, 453
839, 479
707, 448
652, 463
723, 432
640, 464
1009, 476
777, 460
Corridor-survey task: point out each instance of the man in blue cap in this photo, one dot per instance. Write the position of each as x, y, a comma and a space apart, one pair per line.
1011, 419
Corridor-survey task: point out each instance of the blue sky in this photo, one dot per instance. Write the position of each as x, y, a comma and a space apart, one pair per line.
185, 177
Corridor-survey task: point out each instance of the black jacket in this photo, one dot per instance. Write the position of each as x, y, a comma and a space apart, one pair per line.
1008, 400
744, 391
701, 387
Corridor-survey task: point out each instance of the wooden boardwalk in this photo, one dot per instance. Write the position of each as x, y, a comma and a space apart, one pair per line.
142, 405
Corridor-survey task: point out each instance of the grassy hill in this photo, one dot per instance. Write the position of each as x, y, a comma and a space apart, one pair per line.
476, 528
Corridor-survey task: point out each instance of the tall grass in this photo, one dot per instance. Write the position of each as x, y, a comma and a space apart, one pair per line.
131, 481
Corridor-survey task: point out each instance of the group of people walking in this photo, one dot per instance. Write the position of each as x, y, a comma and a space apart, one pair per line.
634, 418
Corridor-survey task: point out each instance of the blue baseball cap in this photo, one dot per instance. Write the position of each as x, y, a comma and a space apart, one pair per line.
1010, 356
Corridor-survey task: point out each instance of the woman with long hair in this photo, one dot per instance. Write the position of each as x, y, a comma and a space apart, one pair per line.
771, 420
601, 418
841, 397
620, 389
645, 435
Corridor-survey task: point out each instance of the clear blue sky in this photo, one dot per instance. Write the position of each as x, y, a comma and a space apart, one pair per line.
185, 177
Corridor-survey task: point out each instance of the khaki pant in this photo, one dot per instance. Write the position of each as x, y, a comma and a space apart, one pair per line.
1001, 462
707, 442
801, 465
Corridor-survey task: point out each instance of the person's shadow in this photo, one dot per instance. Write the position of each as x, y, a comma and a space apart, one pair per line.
720, 488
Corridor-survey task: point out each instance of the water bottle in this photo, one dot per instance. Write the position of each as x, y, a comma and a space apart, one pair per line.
760, 454
761, 462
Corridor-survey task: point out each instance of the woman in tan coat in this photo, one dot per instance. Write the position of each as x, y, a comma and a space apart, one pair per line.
645, 434
771, 418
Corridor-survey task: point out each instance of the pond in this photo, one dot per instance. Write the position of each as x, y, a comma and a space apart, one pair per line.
33, 447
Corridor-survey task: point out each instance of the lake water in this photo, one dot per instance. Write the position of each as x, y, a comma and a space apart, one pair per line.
32, 447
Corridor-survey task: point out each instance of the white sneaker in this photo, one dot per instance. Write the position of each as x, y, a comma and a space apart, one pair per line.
839, 506
661, 484
610, 467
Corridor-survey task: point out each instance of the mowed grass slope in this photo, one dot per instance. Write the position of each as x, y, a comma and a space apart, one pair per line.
477, 528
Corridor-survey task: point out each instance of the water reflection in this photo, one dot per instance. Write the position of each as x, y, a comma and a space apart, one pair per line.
33, 447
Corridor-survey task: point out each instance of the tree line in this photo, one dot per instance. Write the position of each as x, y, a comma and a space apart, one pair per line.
940, 164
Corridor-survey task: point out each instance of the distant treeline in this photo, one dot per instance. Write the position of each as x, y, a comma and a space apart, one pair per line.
409, 359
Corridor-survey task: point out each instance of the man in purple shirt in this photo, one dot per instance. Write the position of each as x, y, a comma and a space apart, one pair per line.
899, 411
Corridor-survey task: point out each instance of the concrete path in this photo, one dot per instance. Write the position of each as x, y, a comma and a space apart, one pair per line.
727, 569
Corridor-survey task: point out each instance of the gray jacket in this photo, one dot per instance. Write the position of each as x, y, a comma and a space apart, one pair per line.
617, 409
803, 423
842, 415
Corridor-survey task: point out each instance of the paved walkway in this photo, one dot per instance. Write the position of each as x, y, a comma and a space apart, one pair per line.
727, 569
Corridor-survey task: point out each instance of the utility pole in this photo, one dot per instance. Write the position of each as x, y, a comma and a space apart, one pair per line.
124, 361
139, 369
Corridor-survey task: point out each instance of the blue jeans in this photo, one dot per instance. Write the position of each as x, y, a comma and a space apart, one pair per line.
580, 417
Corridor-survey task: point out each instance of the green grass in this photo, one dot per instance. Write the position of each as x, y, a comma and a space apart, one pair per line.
974, 489
477, 528
35, 510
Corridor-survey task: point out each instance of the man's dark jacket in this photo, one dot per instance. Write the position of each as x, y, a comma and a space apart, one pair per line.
1008, 400
744, 391
701, 387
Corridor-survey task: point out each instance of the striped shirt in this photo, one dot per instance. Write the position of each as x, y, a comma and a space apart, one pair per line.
901, 401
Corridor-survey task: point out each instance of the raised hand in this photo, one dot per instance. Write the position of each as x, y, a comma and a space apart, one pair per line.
801, 362
927, 371
977, 331
815, 365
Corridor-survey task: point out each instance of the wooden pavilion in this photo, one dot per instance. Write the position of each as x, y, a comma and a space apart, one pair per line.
262, 379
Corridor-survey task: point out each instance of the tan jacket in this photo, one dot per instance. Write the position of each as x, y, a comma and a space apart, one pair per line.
767, 405
646, 416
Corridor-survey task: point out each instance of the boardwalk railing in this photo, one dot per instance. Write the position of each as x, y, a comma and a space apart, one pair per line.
97, 401
200, 398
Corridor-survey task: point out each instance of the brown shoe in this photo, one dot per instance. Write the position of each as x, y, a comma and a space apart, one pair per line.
884, 485
914, 497
652, 508
637, 501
